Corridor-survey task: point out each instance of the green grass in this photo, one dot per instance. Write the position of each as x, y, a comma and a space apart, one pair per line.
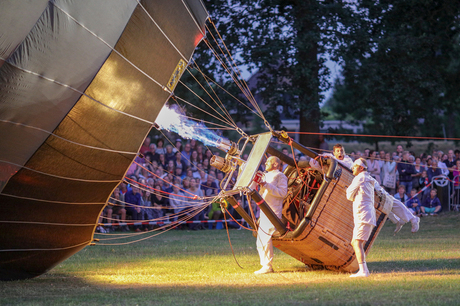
197, 268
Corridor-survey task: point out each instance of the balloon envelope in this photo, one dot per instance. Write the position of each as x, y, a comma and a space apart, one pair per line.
81, 83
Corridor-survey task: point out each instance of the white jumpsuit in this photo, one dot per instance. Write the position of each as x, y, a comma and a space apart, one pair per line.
361, 192
399, 210
273, 192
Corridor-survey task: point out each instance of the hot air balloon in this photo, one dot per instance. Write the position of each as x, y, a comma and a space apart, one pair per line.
81, 83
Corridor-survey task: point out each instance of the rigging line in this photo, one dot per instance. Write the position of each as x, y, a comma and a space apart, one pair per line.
223, 119
151, 236
227, 92
236, 66
113, 49
53, 249
220, 104
233, 77
75, 90
212, 98
233, 65
58, 176
383, 136
48, 223
199, 108
130, 179
207, 122
46, 201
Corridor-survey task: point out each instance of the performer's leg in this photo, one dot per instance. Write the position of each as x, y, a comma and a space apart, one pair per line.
402, 212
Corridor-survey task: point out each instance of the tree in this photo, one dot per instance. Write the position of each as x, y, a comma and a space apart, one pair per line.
400, 66
288, 42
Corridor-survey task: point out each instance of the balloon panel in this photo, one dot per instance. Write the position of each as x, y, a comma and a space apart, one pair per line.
80, 111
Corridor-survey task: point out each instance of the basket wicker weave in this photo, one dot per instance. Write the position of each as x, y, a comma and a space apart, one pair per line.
325, 242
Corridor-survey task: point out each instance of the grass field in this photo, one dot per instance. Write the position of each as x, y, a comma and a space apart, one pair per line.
197, 268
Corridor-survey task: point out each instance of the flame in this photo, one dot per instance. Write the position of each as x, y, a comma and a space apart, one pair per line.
174, 120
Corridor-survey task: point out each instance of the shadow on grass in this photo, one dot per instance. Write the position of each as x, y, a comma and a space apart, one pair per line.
425, 265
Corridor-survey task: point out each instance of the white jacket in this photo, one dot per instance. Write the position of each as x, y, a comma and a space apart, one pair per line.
275, 190
361, 192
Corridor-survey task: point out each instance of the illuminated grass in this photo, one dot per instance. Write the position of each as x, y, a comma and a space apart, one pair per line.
197, 268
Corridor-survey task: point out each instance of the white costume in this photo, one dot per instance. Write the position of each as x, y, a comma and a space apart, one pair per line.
273, 192
361, 192
347, 162
400, 214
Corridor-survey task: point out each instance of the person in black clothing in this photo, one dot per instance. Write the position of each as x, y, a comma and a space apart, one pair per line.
405, 170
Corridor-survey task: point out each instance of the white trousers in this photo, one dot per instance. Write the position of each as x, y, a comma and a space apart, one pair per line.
264, 241
400, 212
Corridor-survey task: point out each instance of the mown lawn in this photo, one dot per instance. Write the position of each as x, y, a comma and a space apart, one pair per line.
198, 268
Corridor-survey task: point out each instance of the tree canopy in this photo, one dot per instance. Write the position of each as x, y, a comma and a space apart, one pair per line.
400, 64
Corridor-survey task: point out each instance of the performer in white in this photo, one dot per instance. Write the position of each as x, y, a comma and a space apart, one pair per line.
339, 155
273, 190
399, 215
361, 192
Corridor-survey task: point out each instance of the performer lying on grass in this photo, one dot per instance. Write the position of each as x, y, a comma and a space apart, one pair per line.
399, 215
361, 192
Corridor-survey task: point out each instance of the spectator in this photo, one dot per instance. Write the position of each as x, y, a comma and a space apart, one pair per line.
133, 204
179, 162
147, 213
399, 151
401, 195
456, 176
431, 205
434, 170
154, 156
194, 160
169, 155
158, 203
209, 187
176, 200
145, 146
414, 203
424, 181
195, 199
162, 161
187, 154
405, 170
178, 146
160, 148
373, 166
450, 163
418, 173
389, 174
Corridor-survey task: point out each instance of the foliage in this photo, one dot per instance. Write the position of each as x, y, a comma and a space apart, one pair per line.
287, 42
401, 67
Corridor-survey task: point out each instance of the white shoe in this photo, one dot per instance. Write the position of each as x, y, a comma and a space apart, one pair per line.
415, 224
361, 274
399, 226
264, 270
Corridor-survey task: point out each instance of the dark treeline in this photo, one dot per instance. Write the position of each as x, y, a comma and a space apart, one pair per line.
400, 61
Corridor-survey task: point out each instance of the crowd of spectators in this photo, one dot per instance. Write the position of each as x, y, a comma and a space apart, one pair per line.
405, 174
167, 179
167, 183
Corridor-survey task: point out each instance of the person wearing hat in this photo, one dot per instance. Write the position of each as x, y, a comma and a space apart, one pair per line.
361, 192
